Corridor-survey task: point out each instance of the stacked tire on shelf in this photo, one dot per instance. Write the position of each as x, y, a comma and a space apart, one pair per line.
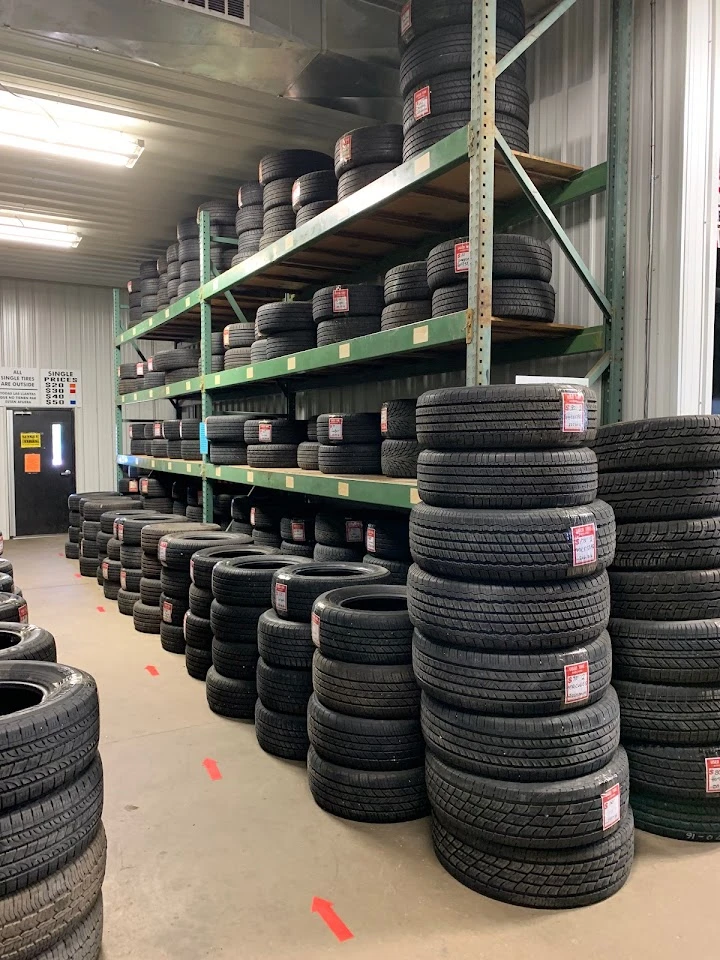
435, 73
273, 441
366, 760
286, 328
400, 448
308, 451
407, 295
343, 313
349, 443
339, 536
149, 287
509, 596
238, 338
249, 221
387, 541
51, 799
134, 301
297, 531
177, 365
662, 477
313, 193
365, 154
278, 173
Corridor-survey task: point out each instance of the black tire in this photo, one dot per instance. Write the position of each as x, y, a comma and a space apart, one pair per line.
197, 662
20, 641
383, 692
281, 734
130, 580
665, 443
352, 458
150, 566
295, 589
513, 685
199, 600
665, 595
111, 591
237, 336
680, 773
294, 342
292, 163
74, 534
661, 494
126, 601
113, 549
283, 643
14, 608
275, 318
197, 631
146, 618
228, 454
406, 282
317, 187
279, 220
510, 480
546, 879
519, 257
397, 569
175, 584
249, 218
354, 180
516, 546
341, 428
446, 267
322, 553
507, 417
273, 430
669, 545
672, 652
447, 50
111, 570
362, 743
236, 624
388, 537
128, 530
88, 567
696, 820
264, 455
512, 617
44, 916
150, 591
401, 314
88, 550
230, 698
235, 358
362, 300
397, 420
339, 530
238, 661
203, 561
366, 624
250, 194
298, 549
337, 331
309, 211
284, 690
307, 456
172, 638
177, 551
381, 143
72, 551
524, 749
271, 541
44, 835
514, 130
367, 796
524, 300
660, 714
432, 130
425, 16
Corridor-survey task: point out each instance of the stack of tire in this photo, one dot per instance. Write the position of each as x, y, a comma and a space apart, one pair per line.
170, 431
286, 328
309, 450
312, 194
75, 519
400, 448
366, 760
135, 301
273, 442
265, 525
223, 214
662, 477
23, 641
249, 221
509, 597
139, 552
407, 295
222, 510
92, 509
158, 444
339, 536
115, 579
149, 286
193, 507
154, 492
522, 268
343, 313
127, 378
137, 440
190, 439
217, 354
163, 300
226, 436
435, 73
177, 365
51, 801
238, 338
297, 530
173, 272
241, 593
349, 443
278, 173
257, 350
387, 541
240, 515
365, 154
147, 379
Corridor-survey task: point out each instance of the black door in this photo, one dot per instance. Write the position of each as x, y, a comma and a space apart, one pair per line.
44, 455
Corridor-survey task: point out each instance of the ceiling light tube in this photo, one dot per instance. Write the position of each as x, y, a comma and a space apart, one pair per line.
21, 229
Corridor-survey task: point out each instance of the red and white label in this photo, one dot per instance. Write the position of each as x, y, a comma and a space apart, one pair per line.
192, 569
150, 365
315, 629
252, 516
281, 597
105, 570
120, 529
462, 257
162, 549
577, 681
298, 531
23, 613
370, 539
123, 579
158, 431
345, 147
712, 774
139, 370
265, 433
406, 18
383, 420
167, 610
610, 801
133, 486
574, 412
226, 337
584, 544
144, 487
335, 428
421, 103
295, 193
353, 531
341, 300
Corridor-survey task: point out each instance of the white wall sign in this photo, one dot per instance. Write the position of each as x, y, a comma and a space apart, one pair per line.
60, 388
19, 387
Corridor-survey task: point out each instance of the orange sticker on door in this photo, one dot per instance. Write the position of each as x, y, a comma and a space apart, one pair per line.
32, 463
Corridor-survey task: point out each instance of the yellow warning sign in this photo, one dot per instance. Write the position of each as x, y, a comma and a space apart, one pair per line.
30, 440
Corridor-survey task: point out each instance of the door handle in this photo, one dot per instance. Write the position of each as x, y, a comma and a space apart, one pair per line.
66, 473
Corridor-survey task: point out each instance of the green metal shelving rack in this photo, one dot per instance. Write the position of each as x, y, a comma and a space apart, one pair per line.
398, 218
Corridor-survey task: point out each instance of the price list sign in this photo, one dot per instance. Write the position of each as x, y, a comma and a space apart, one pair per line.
59, 388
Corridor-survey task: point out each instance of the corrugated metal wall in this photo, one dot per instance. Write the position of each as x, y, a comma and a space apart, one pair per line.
60, 325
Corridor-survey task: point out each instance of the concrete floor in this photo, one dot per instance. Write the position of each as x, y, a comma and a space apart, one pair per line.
228, 868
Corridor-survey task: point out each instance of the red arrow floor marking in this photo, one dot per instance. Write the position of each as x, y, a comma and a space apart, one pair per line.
212, 769
333, 921
153, 671
101, 609
77, 575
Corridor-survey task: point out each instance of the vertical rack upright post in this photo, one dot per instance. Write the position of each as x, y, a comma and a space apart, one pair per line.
205, 354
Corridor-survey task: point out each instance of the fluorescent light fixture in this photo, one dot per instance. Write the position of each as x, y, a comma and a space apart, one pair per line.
77, 133
57, 457
17, 228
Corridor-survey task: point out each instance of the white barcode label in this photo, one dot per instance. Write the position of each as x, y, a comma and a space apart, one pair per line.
265, 433
298, 531
150, 365
421, 103
335, 428
192, 569
281, 597
462, 257
295, 193
574, 412
144, 485
610, 807
584, 544
712, 774
370, 539
315, 629
577, 681
353, 531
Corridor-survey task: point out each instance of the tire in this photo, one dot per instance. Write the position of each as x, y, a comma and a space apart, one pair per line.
425, 16
275, 318
406, 282
401, 314
447, 50
512, 480
89, 550
354, 180
317, 187
295, 589
547, 879
524, 749
230, 698
249, 218
286, 691
169, 360
238, 661
74, 535
126, 601
397, 569
513, 617
515, 131
249, 195
432, 130
203, 561
388, 537
445, 268
339, 530
557, 543
307, 456
237, 336
342, 428
228, 454
176, 552
666, 652
665, 595
524, 300
130, 580
264, 455
399, 458
527, 417
665, 443
352, 458
113, 549
175, 585
363, 300
200, 601
283, 643
13, 608
364, 625
19, 641
172, 638
655, 713
294, 342
279, 429
381, 143
555, 815
397, 420
364, 744
696, 820
72, 551
236, 624
513, 685
281, 734
270, 541
111, 570
662, 495
40, 917
298, 549
235, 358
280, 219
197, 662
367, 796
519, 257
337, 331
146, 618
227, 429
669, 545
386, 692
309, 211
292, 163
327, 554
88, 567
680, 773
198, 632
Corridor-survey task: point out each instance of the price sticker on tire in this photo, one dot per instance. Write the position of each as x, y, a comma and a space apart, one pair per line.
157, 432
23, 613
577, 682
139, 372
574, 412
584, 544
406, 18
144, 485
345, 148
712, 774
462, 257
120, 531
384, 420
298, 531
133, 486
610, 801
123, 579
226, 337
281, 597
370, 539
341, 300
167, 611
315, 629
265, 433
162, 550
353, 531
252, 516
106, 570
335, 428
421, 104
